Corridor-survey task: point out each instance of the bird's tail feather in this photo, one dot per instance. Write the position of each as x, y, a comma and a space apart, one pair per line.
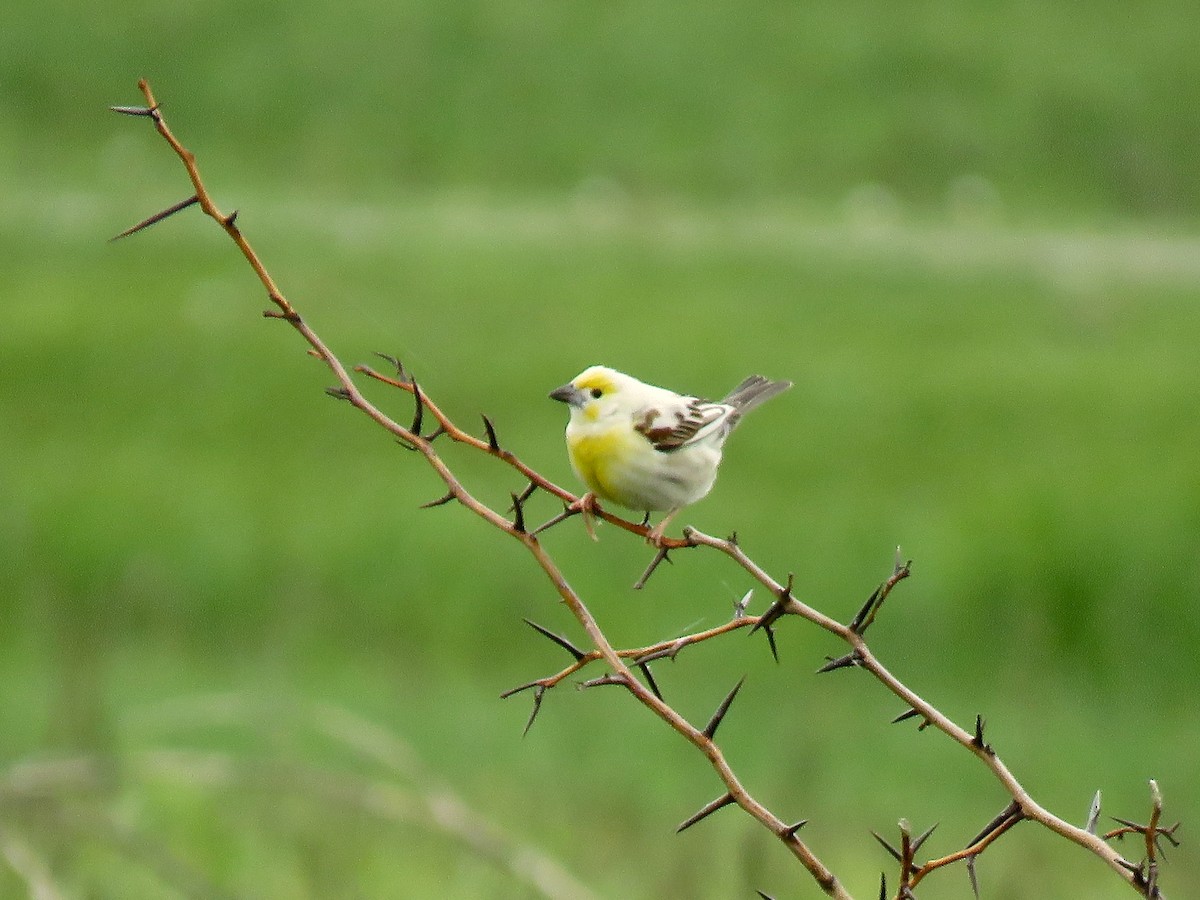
754, 390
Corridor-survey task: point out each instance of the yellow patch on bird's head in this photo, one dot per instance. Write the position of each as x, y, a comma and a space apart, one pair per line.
595, 379
596, 383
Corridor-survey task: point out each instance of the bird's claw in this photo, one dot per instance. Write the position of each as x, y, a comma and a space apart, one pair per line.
588, 507
657, 536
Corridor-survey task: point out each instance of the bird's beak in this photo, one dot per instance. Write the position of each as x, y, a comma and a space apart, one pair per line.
568, 394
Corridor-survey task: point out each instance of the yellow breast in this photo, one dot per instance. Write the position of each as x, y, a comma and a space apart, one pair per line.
598, 459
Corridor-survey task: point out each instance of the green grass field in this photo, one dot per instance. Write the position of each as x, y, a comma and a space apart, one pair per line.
236, 660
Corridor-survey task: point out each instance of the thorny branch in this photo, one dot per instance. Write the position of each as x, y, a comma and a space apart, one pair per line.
1142, 876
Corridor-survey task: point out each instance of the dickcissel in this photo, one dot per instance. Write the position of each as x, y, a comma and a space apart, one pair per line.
647, 448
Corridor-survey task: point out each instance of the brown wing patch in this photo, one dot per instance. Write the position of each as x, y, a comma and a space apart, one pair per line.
666, 438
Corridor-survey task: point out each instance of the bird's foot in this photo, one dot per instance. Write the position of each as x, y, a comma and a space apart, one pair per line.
588, 506
657, 536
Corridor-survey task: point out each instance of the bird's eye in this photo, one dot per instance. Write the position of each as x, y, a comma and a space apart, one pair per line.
597, 393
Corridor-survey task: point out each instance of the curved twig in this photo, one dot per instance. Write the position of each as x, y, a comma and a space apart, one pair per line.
349, 391
618, 661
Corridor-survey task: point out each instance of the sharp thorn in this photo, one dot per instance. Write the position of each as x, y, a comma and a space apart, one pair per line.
861, 616
909, 713
440, 501
739, 608
977, 740
769, 631
916, 844
842, 662
230, 219
395, 363
711, 728
338, 393
650, 682
519, 518
556, 638
790, 831
886, 846
705, 811
419, 413
776, 609
766, 620
763, 896
493, 443
523, 496
668, 652
135, 110
528, 492
608, 678
521, 688
1013, 809
972, 876
882, 886
157, 217
538, 694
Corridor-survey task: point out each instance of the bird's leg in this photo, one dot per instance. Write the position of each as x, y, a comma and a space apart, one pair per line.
656, 535
588, 505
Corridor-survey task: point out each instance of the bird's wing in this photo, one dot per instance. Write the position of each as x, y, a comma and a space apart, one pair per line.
675, 425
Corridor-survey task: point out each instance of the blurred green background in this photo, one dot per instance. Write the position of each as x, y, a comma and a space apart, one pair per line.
237, 661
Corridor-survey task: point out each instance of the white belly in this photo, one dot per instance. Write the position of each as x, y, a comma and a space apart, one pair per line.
629, 472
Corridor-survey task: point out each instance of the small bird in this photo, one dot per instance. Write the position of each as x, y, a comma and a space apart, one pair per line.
647, 448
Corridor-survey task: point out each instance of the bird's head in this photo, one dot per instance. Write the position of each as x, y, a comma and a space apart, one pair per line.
597, 393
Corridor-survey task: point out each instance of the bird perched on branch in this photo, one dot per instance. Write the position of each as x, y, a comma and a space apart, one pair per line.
647, 448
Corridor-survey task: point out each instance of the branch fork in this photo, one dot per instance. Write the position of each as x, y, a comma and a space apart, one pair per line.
1142, 877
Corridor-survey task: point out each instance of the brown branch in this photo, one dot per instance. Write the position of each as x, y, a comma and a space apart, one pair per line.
866, 615
617, 661
863, 658
638, 655
492, 447
1145, 874
349, 391
1001, 824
